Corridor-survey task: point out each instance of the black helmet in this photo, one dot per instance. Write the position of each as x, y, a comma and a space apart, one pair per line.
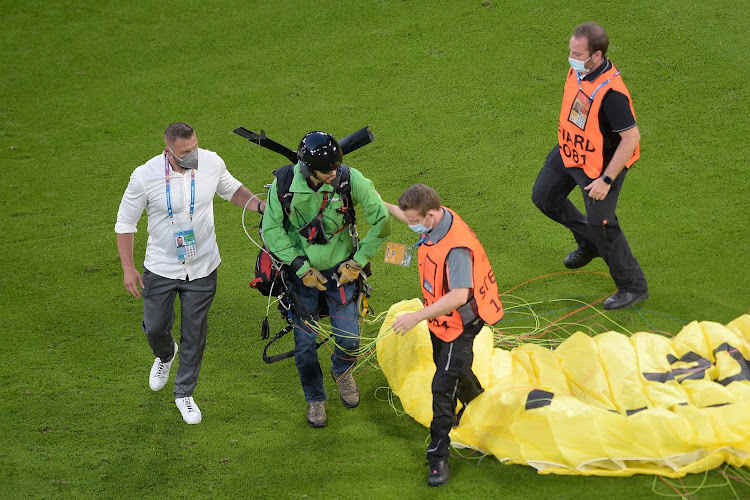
319, 151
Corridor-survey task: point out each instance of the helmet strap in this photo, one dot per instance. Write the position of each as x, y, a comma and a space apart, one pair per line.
304, 169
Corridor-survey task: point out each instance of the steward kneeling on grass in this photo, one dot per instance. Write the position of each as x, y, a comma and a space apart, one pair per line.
314, 236
460, 295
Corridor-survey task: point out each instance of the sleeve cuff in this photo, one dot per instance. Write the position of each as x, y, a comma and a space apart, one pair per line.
300, 266
359, 260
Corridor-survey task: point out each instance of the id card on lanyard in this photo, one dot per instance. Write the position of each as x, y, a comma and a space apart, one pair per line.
579, 111
183, 234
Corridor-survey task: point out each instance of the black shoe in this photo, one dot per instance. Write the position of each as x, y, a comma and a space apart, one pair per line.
579, 258
439, 473
623, 300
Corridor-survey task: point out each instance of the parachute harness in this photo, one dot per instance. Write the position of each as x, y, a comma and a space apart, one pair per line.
288, 304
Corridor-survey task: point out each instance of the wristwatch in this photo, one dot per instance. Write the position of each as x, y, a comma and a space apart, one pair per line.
607, 180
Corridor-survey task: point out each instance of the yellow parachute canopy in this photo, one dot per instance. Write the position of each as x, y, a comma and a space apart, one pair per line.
607, 405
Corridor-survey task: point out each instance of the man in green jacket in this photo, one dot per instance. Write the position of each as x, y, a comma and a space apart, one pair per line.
313, 238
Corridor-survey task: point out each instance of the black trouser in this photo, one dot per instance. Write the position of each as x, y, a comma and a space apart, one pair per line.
454, 380
599, 230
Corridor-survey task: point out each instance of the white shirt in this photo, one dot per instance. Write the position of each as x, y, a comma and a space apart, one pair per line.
147, 190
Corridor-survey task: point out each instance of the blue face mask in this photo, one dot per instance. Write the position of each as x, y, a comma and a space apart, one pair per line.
420, 228
579, 66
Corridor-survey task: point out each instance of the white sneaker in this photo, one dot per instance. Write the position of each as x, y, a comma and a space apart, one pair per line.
190, 411
160, 372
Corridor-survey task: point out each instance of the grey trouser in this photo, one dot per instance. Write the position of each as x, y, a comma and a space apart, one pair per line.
158, 318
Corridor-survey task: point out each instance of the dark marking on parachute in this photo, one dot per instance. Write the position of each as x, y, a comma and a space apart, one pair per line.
631, 412
737, 356
696, 371
538, 398
658, 377
699, 365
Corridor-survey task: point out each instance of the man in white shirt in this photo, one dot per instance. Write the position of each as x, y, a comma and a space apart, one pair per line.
176, 188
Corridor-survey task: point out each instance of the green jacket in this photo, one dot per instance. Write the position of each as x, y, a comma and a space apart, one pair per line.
287, 244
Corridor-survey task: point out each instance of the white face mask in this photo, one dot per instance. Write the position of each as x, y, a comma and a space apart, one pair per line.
579, 66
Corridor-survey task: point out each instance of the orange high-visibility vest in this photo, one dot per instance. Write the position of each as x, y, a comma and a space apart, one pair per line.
581, 141
433, 275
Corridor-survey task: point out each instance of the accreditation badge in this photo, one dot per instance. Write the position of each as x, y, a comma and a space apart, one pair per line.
184, 240
398, 253
579, 112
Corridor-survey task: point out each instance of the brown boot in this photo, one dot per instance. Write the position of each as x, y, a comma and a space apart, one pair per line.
316, 414
348, 390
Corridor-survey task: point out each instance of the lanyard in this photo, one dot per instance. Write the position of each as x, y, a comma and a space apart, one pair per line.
169, 198
422, 239
591, 99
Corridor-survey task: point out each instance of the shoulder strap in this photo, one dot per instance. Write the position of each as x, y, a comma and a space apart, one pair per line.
284, 177
344, 189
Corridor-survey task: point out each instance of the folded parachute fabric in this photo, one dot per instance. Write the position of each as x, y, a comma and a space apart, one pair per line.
608, 405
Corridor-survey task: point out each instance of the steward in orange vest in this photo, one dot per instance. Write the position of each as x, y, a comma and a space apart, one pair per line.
433, 278
461, 294
597, 142
579, 134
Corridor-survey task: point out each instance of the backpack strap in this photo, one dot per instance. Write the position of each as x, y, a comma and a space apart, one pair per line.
284, 177
344, 189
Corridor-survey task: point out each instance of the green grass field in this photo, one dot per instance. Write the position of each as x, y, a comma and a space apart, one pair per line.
461, 95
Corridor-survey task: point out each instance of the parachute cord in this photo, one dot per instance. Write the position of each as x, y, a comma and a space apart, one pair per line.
653, 328
684, 491
553, 274
586, 306
543, 329
470, 456
669, 485
739, 475
365, 355
257, 244
390, 398
244, 228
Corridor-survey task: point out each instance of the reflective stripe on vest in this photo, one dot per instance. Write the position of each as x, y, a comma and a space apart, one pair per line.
580, 138
432, 276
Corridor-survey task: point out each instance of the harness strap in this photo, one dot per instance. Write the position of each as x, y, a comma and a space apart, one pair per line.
277, 357
284, 355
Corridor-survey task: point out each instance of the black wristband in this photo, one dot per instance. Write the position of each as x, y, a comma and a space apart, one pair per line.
607, 180
259, 210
